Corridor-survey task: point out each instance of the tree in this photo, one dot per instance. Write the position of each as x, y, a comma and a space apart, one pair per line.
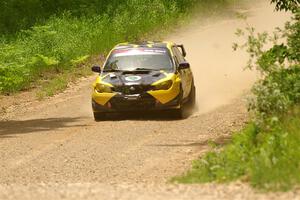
287, 5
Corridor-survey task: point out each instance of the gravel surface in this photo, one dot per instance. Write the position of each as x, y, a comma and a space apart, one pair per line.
139, 192
47, 147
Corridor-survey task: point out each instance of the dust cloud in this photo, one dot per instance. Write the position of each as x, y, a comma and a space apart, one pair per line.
218, 70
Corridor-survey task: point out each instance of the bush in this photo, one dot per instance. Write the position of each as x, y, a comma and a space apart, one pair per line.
278, 89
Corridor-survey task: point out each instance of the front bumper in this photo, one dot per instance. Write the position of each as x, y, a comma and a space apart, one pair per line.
137, 102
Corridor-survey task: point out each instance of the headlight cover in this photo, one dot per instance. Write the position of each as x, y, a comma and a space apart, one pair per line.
102, 88
164, 85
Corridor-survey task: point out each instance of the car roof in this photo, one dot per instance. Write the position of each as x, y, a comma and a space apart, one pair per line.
145, 44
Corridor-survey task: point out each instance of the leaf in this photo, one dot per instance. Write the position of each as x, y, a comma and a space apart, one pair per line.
79, 60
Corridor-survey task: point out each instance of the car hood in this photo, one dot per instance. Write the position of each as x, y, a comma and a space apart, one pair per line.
133, 78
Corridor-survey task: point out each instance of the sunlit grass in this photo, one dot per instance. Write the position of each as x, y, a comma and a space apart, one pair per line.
269, 158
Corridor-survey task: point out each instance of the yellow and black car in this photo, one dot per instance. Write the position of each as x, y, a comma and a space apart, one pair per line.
143, 76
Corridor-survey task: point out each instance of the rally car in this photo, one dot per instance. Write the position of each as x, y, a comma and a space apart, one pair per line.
143, 76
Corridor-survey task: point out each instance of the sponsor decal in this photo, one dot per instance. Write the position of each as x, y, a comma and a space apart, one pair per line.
133, 78
138, 51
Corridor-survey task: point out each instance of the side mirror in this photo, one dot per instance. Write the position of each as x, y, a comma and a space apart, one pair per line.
184, 65
96, 68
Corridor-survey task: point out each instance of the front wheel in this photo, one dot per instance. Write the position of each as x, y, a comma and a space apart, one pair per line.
99, 116
192, 98
187, 108
180, 113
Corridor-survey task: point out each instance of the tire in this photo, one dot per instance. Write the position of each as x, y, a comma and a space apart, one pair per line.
186, 109
181, 112
192, 98
99, 116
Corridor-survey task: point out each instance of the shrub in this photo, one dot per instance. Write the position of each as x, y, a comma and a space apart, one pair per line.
278, 89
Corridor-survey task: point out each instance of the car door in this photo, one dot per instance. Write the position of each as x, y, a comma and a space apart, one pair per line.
184, 73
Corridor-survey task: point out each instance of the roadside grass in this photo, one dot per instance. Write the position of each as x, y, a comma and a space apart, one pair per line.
54, 82
57, 46
56, 85
59, 82
268, 157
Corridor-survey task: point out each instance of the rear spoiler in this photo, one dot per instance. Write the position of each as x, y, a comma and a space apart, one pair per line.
182, 49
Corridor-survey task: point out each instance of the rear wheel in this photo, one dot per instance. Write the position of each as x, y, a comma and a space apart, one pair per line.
99, 116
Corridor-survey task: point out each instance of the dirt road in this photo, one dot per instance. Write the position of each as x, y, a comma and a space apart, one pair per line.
54, 150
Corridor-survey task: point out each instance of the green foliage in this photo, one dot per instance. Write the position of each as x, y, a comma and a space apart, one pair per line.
66, 32
278, 89
269, 158
287, 5
22, 14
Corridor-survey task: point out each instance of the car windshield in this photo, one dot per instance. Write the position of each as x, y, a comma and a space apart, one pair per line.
139, 59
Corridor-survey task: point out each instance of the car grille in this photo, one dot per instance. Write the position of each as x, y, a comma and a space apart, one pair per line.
132, 89
145, 102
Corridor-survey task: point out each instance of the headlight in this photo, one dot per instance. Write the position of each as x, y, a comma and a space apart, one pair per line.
102, 88
164, 85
